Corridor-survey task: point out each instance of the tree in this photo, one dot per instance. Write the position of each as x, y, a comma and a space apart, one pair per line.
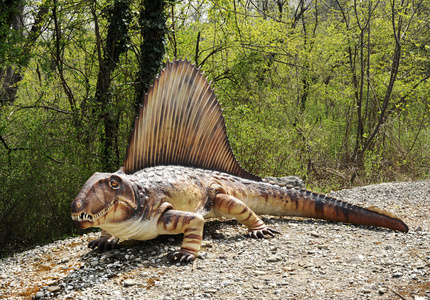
16, 43
116, 43
335, 91
319, 68
152, 21
70, 116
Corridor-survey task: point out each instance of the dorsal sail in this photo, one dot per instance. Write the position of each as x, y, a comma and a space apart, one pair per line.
180, 122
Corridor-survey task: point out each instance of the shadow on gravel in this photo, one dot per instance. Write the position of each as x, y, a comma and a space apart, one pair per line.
123, 262
212, 226
118, 264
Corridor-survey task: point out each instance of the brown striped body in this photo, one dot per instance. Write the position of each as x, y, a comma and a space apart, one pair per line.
173, 199
180, 169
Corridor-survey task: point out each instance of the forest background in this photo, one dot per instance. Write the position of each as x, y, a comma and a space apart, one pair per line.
334, 91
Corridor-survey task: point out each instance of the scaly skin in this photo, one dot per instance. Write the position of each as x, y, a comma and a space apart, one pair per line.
174, 200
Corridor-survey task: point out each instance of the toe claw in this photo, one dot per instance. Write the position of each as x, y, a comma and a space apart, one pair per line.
103, 243
181, 256
172, 255
263, 233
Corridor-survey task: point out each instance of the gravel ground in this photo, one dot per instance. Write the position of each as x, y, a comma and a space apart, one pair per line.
311, 260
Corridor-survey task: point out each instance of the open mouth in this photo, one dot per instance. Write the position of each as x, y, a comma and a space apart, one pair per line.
86, 217
82, 217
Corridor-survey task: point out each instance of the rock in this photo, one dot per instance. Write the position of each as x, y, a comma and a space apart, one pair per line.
94, 263
314, 234
356, 260
274, 258
260, 273
226, 283
322, 247
397, 274
129, 282
39, 295
53, 289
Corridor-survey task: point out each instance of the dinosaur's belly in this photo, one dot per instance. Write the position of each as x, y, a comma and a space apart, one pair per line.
132, 229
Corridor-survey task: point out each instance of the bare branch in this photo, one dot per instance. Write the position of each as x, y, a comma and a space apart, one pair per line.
9, 150
45, 107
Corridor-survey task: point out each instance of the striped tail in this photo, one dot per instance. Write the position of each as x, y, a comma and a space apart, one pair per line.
328, 208
289, 201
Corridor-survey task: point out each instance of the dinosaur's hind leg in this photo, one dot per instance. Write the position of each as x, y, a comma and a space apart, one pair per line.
229, 206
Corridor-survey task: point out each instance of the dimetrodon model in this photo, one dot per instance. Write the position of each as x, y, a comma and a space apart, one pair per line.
180, 169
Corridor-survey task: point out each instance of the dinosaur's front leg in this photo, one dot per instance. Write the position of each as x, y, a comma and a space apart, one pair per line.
229, 206
191, 225
104, 242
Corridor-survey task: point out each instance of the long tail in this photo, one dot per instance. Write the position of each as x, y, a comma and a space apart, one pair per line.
289, 201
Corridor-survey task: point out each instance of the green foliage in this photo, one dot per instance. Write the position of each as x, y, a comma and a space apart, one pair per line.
71, 116
40, 176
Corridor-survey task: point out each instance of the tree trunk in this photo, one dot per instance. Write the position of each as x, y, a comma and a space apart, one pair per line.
10, 75
117, 39
153, 30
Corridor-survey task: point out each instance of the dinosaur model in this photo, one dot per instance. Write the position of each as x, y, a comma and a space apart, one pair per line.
180, 169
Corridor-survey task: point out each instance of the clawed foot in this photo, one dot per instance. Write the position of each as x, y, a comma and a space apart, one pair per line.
262, 233
103, 243
181, 256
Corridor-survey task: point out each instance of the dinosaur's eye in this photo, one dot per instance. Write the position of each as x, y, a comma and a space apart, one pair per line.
114, 183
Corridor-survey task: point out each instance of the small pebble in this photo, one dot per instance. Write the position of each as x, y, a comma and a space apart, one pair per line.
274, 258
260, 273
314, 234
53, 289
94, 263
129, 282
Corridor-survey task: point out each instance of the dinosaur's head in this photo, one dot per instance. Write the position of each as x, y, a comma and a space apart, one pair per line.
104, 198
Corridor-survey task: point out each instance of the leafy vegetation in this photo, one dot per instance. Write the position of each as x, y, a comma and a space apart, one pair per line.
336, 92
